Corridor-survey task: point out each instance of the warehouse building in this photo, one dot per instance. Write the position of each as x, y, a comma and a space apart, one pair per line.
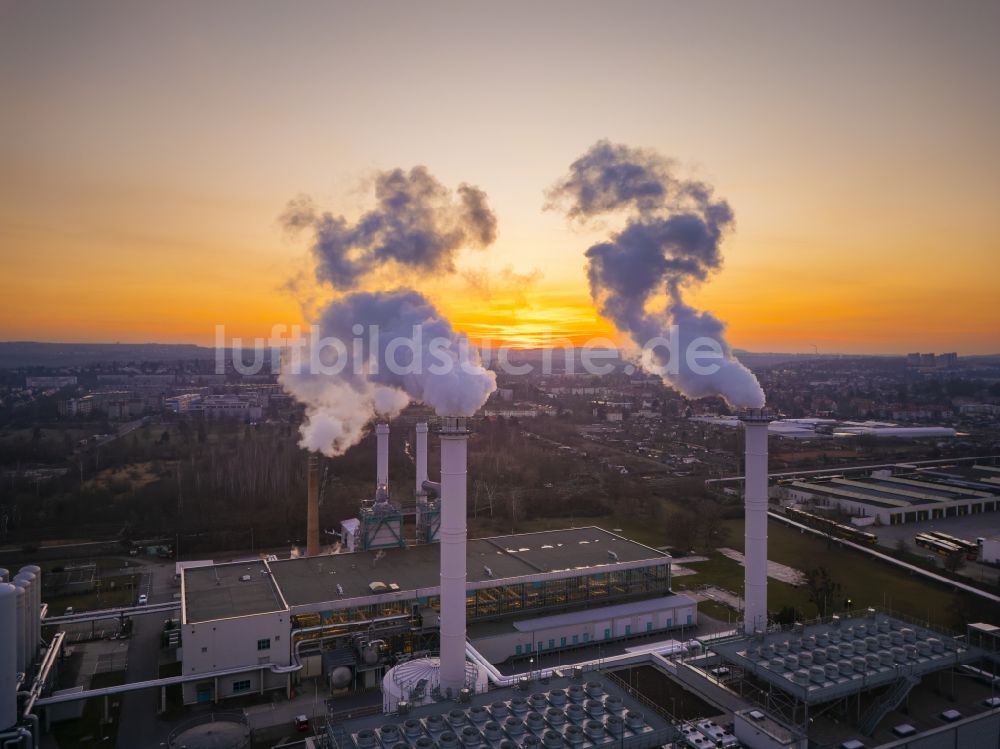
262, 625
905, 495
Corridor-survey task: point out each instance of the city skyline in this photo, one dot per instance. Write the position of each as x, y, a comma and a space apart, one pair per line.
145, 173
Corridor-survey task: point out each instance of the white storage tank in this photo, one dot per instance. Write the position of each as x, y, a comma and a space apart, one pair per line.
36, 609
20, 630
8, 656
26, 576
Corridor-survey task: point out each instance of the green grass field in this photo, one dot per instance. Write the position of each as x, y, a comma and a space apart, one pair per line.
866, 581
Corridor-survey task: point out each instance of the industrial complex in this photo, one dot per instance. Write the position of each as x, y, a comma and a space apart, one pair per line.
519, 641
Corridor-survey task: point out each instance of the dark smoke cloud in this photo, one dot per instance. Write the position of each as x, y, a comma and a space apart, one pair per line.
417, 223
672, 239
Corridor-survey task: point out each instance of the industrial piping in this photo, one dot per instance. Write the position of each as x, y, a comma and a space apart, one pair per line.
312, 508
755, 428
454, 449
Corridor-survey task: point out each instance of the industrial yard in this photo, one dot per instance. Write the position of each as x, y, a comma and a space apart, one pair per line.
361, 623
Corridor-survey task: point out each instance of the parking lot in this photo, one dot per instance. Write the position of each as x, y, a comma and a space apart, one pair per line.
969, 527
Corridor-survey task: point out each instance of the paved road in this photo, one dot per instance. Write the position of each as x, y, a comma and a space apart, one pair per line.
139, 727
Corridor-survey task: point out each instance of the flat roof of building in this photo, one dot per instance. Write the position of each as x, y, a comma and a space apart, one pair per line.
979, 477
222, 591
898, 492
826, 661
312, 580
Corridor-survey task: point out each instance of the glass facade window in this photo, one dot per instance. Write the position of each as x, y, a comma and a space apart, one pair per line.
576, 590
570, 591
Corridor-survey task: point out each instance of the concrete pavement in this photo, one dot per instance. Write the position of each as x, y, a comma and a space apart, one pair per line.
139, 727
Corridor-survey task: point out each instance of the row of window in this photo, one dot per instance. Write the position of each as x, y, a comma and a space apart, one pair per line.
585, 638
547, 594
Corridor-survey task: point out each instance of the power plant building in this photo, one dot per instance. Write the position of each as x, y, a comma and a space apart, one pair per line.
521, 592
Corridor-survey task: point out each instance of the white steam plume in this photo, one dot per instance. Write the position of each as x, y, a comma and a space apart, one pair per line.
671, 240
418, 225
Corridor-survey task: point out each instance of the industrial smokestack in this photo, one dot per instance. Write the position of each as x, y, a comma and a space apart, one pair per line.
421, 457
755, 424
454, 449
382, 463
312, 508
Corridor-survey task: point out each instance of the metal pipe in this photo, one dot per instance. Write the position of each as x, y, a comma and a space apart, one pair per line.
295, 665
432, 487
20, 737
43, 672
87, 616
637, 655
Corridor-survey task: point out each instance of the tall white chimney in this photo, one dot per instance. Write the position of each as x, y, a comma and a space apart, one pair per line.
382, 463
755, 424
421, 457
312, 507
454, 450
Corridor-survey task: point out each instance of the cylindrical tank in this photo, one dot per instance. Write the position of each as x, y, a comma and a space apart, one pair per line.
30, 585
340, 677
36, 609
8, 656
370, 654
21, 624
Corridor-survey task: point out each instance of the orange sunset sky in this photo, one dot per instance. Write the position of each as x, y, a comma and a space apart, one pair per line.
146, 151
